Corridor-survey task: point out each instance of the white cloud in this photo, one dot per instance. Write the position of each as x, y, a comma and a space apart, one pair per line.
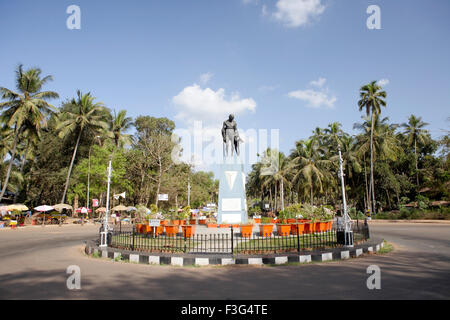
383, 82
209, 106
296, 13
206, 77
264, 10
318, 83
315, 98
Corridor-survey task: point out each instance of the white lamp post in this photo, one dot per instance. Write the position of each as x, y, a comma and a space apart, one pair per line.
104, 233
345, 235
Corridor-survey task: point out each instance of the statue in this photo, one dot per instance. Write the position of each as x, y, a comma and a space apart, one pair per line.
230, 136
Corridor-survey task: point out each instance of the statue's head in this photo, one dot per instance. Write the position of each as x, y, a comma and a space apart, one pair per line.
231, 117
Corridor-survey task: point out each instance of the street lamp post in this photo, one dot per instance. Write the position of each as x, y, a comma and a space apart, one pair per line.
345, 234
105, 231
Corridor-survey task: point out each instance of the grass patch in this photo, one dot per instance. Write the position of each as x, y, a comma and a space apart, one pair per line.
96, 255
386, 248
158, 244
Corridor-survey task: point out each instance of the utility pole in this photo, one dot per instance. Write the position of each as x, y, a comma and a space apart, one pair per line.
344, 236
189, 189
105, 232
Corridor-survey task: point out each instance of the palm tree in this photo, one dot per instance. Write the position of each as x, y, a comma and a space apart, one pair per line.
372, 100
82, 114
280, 176
28, 104
377, 136
307, 163
119, 124
415, 134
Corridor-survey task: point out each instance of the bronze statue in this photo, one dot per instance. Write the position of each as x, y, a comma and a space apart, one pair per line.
230, 136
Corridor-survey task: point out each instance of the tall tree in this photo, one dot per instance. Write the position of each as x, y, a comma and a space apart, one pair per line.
81, 114
415, 134
119, 125
28, 104
372, 98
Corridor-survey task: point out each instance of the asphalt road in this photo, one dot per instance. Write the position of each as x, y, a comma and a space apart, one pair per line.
33, 263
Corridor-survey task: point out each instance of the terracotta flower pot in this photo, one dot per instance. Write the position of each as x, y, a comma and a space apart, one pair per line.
275, 220
176, 222
283, 229
164, 222
146, 229
235, 226
317, 226
299, 226
224, 225
330, 225
246, 230
202, 221
188, 231
291, 221
309, 227
193, 222
171, 231
139, 228
212, 225
265, 230
155, 230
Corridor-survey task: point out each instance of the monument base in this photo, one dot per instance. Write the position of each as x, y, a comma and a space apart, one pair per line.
232, 207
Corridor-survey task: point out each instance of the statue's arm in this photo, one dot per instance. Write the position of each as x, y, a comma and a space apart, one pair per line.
223, 131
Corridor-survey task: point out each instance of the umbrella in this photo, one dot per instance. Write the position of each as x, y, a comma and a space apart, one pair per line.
131, 209
60, 206
44, 208
18, 207
101, 210
119, 208
83, 210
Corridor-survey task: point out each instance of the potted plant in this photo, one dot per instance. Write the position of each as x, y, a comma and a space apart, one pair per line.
266, 227
246, 229
188, 229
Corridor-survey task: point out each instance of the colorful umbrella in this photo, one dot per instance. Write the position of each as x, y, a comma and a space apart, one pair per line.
44, 208
83, 210
18, 207
60, 206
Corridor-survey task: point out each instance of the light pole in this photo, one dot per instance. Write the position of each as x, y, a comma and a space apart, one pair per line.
104, 233
345, 235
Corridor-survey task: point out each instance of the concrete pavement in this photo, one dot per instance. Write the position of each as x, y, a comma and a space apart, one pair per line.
34, 262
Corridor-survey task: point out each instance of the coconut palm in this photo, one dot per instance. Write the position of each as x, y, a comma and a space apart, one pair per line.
415, 134
279, 176
28, 104
309, 166
81, 114
372, 99
120, 124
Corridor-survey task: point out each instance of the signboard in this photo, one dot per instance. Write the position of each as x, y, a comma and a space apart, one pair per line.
94, 203
154, 222
163, 197
266, 206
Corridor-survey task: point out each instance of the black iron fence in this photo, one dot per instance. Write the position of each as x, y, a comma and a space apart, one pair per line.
231, 240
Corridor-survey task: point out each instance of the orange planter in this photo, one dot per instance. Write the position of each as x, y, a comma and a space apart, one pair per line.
235, 226
139, 228
145, 229
257, 220
224, 225
291, 221
202, 221
212, 225
192, 222
188, 231
171, 231
176, 222
157, 230
164, 222
309, 227
283, 229
275, 220
246, 231
265, 230
300, 227
330, 225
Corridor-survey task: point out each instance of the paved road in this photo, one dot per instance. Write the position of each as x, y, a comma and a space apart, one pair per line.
33, 265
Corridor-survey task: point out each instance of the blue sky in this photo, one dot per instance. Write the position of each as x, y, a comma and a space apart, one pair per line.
291, 65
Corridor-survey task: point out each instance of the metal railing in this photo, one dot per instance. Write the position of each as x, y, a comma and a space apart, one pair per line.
231, 241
